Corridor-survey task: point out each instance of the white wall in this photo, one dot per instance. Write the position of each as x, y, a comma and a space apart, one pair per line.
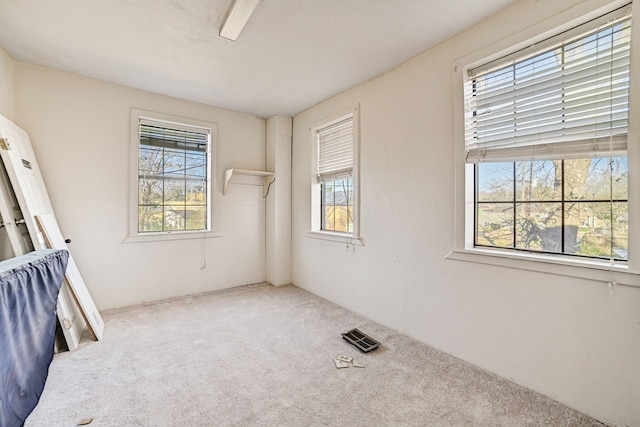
567, 338
6, 85
79, 129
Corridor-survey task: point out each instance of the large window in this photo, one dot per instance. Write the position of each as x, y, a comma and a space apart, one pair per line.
546, 133
172, 176
335, 183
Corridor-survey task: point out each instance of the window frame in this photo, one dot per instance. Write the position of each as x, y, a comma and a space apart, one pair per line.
316, 230
627, 273
134, 235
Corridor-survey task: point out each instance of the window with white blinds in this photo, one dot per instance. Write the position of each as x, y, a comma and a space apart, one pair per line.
566, 97
335, 150
173, 177
546, 130
335, 147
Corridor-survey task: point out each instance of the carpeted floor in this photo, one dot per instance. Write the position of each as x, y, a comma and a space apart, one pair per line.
259, 355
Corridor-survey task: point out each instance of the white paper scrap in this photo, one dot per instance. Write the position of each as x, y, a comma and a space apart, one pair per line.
344, 358
357, 365
340, 364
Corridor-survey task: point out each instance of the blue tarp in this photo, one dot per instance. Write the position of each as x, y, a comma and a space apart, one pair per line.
29, 287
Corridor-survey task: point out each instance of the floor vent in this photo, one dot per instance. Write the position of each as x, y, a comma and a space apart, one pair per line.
361, 340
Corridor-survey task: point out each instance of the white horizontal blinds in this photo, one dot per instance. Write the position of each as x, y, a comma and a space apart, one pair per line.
335, 150
168, 135
570, 100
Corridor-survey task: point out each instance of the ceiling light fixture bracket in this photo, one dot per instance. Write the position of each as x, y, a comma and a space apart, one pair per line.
237, 16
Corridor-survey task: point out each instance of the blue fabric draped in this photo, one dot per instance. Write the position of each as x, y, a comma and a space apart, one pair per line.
29, 287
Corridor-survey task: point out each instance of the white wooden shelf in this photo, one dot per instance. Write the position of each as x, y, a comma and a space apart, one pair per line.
269, 177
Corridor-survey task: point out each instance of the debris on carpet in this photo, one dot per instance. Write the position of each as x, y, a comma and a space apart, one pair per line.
343, 361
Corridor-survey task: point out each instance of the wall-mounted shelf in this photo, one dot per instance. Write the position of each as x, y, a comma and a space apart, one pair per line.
269, 177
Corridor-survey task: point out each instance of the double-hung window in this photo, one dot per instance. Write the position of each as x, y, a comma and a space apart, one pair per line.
546, 136
335, 184
335, 173
172, 177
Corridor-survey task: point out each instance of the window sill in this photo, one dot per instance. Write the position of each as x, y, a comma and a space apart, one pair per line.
336, 237
176, 235
596, 270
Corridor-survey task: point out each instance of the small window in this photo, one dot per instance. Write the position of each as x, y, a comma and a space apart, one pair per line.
335, 173
546, 136
172, 177
335, 184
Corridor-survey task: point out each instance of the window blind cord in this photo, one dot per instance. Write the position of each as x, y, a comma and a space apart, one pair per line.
612, 281
203, 252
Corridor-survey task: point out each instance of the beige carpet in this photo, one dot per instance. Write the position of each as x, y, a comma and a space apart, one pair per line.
260, 355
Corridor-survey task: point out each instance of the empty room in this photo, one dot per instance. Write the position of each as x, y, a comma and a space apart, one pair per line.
319, 212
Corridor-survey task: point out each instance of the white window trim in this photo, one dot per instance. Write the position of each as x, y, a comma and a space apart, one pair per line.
136, 237
597, 270
316, 231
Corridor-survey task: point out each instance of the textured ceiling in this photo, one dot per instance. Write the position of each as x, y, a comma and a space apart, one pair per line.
291, 55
